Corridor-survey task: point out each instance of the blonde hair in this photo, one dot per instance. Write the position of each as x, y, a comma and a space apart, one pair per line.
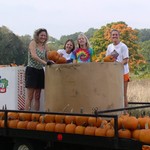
87, 41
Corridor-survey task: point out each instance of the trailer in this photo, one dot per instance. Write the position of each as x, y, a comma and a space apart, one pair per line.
24, 139
76, 97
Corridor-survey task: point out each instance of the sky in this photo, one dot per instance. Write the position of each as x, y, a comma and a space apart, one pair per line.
65, 17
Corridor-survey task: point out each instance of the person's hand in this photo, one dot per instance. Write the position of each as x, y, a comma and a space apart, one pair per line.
50, 62
69, 61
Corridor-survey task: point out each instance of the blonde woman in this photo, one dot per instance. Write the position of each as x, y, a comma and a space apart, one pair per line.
84, 53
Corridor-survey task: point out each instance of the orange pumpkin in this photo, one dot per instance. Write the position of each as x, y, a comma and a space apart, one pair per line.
61, 60
13, 123
60, 127
69, 119
109, 58
130, 123
40, 126
94, 121
79, 130
1, 115
81, 120
42, 119
32, 125
135, 134
53, 55
110, 132
35, 117
25, 116
119, 122
22, 124
143, 121
59, 118
13, 115
100, 131
89, 130
49, 118
124, 133
144, 136
50, 126
70, 128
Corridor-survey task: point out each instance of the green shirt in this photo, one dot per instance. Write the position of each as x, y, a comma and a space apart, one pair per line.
33, 63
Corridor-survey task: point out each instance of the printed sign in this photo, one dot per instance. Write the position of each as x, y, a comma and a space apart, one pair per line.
3, 85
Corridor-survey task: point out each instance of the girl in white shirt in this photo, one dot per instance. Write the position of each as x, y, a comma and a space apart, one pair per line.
67, 51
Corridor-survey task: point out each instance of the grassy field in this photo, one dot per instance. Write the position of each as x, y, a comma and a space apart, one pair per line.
139, 90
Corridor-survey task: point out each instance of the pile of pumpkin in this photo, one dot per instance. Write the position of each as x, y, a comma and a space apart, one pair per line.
128, 126
56, 57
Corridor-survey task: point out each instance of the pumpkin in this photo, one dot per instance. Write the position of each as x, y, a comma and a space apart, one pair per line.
25, 116
100, 131
50, 126
94, 121
89, 130
79, 130
130, 123
49, 118
53, 55
1, 122
135, 134
144, 136
1, 115
40, 126
13, 123
110, 132
61, 60
69, 119
81, 120
32, 125
35, 117
60, 127
70, 128
22, 124
42, 119
59, 118
119, 122
109, 58
145, 147
143, 121
124, 133
13, 115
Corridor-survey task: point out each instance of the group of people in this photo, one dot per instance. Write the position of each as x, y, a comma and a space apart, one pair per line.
37, 59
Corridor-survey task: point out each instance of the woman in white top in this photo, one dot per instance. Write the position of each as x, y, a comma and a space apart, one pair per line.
123, 57
67, 51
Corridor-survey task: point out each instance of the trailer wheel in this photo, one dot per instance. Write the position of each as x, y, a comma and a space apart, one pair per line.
23, 146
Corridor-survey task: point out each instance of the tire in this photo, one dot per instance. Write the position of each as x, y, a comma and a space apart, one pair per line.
28, 144
23, 146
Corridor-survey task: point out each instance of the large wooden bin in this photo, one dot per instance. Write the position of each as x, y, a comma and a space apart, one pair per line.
83, 87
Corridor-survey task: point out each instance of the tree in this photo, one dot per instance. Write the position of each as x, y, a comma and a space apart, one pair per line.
144, 35
11, 47
25, 41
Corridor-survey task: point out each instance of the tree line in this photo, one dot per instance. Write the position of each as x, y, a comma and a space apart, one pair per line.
14, 48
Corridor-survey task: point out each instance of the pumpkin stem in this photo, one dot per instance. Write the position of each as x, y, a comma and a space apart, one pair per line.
81, 110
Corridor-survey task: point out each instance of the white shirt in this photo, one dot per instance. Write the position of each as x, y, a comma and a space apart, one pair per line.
64, 54
123, 52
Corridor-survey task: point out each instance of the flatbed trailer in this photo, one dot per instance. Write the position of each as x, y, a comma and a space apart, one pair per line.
22, 139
